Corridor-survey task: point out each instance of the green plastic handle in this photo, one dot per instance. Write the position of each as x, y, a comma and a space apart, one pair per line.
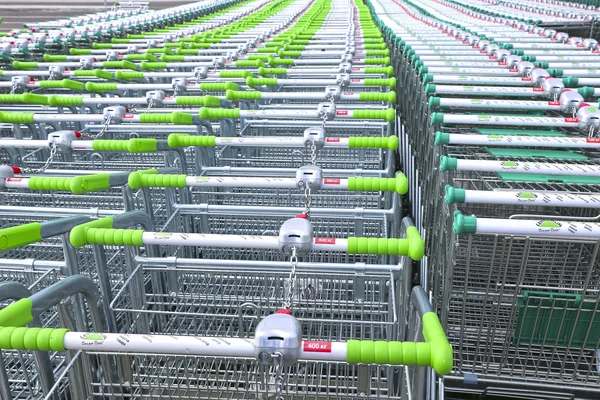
138, 145
82, 236
280, 61
75, 185
435, 352
235, 74
99, 87
186, 52
252, 82
98, 73
150, 178
123, 64
176, 118
200, 46
360, 142
219, 113
249, 63
391, 82
398, 184
34, 339
207, 101
380, 46
412, 246
24, 64
64, 101
272, 71
64, 84
54, 57
388, 115
97, 45
378, 96
178, 140
168, 58
289, 53
129, 75
234, 95
80, 52
219, 86
377, 61
141, 57
120, 41
163, 50
28, 98
16, 117
17, 314
19, 236
389, 71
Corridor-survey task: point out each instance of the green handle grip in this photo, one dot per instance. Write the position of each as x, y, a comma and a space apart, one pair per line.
177, 140
16, 117
435, 352
65, 101
164, 50
24, 64
174, 45
105, 236
380, 46
186, 52
272, 71
252, 82
388, 115
385, 52
54, 58
120, 41
389, 71
129, 75
412, 246
219, 86
98, 73
234, 95
18, 236
34, 339
219, 113
17, 314
141, 57
64, 84
28, 98
235, 74
280, 61
140, 179
289, 53
377, 61
97, 45
359, 142
378, 96
80, 52
262, 57
76, 185
207, 101
297, 47
168, 58
249, 63
391, 82
200, 46
176, 118
139, 145
398, 184
99, 87
123, 64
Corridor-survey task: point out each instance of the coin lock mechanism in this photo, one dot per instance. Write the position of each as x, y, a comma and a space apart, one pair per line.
570, 101
200, 73
589, 120
314, 135
86, 62
326, 111
296, 233
112, 55
333, 92
63, 139
155, 98
345, 68
179, 85
277, 339
343, 80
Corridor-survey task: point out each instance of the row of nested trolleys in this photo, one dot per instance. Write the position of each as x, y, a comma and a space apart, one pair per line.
210, 198
500, 140
172, 159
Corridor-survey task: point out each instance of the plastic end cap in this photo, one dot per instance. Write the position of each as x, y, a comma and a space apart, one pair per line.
418, 64
437, 118
415, 58
448, 164
464, 225
427, 78
434, 102
442, 138
454, 195
430, 88
423, 70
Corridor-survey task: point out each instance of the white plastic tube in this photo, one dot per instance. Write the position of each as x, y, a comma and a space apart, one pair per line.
547, 228
509, 120
528, 167
525, 141
544, 199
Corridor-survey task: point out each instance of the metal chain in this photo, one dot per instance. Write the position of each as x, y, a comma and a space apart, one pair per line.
102, 131
287, 303
313, 153
51, 75
14, 88
53, 149
307, 200
324, 118
175, 90
591, 133
150, 105
278, 375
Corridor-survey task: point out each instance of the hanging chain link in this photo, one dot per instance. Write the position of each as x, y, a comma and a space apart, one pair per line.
592, 132
289, 298
102, 131
175, 90
307, 200
14, 88
51, 75
313, 153
150, 105
53, 150
278, 375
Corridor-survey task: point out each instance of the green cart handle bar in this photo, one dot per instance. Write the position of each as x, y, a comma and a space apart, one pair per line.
78, 184
435, 352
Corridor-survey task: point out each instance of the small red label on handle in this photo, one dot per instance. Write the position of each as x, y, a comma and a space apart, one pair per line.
317, 347
592, 140
332, 139
331, 181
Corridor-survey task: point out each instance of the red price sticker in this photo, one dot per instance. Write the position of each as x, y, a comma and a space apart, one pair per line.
502, 63
526, 78
128, 116
482, 52
357, 59
358, 51
571, 120
538, 89
348, 93
317, 347
332, 140
494, 58
331, 181
355, 69
588, 140
513, 70
355, 80
341, 112
18, 180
